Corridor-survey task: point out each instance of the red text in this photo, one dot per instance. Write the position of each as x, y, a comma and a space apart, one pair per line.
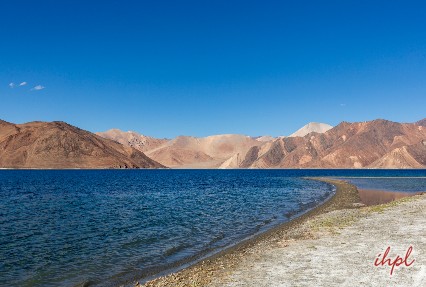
398, 261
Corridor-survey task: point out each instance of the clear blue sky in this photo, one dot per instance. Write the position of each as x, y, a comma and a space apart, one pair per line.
167, 68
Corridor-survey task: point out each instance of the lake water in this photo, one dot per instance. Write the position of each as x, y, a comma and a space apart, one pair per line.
105, 227
378, 190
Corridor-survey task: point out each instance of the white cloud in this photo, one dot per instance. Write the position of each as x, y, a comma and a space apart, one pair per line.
12, 85
342, 105
37, 88
22, 84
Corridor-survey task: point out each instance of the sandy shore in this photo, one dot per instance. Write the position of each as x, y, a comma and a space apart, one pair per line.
333, 245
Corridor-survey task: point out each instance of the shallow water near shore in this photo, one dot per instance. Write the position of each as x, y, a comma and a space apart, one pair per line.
375, 197
64, 228
379, 190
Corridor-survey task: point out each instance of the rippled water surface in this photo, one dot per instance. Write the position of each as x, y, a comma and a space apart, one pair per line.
64, 228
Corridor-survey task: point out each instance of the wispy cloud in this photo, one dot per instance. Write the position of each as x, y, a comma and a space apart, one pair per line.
12, 85
38, 88
342, 105
22, 84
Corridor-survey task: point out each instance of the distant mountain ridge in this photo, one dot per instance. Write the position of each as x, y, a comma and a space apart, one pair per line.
60, 145
217, 151
207, 152
133, 139
379, 143
421, 123
311, 127
372, 144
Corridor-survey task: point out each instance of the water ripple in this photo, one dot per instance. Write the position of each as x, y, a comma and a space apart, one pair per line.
64, 228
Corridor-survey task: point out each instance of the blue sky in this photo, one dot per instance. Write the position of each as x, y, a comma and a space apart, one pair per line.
168, 68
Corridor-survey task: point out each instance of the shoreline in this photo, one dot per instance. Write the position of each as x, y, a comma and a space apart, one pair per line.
341, 248
203, 272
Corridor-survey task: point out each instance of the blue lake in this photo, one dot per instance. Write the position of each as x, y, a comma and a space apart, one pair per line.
106, 227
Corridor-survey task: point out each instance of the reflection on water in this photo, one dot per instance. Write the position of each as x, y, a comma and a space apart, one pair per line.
379, 190
373, 197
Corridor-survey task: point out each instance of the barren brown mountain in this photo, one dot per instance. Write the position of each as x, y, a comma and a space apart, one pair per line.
421, 123
189, 152
209, 152
218, 151
60, 145
133, 139
374, 144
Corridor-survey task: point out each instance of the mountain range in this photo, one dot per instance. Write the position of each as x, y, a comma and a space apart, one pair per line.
371, 144
374, 144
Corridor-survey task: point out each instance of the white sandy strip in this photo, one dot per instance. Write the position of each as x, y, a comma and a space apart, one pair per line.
344, 257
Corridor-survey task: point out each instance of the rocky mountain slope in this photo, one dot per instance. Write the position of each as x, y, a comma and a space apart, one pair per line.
60, 145
374, 144
218, 151
208, 152
133, 139
215, 151
421, 123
